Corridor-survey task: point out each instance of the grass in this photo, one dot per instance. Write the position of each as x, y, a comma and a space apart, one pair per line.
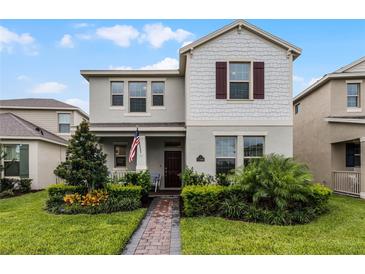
341, 231
26, 228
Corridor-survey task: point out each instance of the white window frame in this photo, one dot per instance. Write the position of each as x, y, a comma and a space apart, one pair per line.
13, 160
138, 97
58, 122
358, 107
232, 157
253, 157
158, 94
118, 94
250, 81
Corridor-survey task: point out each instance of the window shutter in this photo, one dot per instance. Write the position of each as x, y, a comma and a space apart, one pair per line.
258, 80
350, 159
24, 161
221, 80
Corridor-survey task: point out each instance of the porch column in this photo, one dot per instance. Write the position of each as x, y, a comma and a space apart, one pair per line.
141, 154
362, 176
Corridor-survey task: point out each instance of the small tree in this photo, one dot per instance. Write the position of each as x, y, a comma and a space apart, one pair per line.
85, 160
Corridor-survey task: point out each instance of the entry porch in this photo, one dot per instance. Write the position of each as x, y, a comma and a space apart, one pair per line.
348, 172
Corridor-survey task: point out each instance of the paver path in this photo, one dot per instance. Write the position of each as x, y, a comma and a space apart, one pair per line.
159, 231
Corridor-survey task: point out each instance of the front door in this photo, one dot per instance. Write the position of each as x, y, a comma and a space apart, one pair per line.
172, 168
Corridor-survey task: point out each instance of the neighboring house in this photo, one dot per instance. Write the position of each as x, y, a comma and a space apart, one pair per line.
229, 102
329, 128
55, 116
34, 133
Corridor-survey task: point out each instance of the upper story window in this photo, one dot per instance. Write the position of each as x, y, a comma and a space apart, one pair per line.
353, 95
253, 148
225, 149
120, 156
117, 92
64, 122
137, 96
158, 91
239, 80
297, 108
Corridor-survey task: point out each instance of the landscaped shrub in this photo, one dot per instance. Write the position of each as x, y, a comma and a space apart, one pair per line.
201, 200
141, 178
192, 178
273, 190
75, 199
85, 161
25, 185
12, 186
222, 179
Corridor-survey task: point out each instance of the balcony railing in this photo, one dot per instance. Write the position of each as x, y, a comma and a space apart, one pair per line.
347, 182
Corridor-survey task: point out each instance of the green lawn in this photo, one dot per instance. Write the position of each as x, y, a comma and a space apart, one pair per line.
25, 228
341, 231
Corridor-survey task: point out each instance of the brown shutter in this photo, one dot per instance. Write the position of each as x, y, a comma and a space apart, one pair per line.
258, 80
221, 80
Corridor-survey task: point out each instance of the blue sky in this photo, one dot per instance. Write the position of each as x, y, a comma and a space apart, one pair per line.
42, 58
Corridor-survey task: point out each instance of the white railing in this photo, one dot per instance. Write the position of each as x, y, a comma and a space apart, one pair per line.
117, 174
347, 182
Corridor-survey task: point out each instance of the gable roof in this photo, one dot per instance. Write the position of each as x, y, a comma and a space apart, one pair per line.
244, 25
182, 58
338, 74
12, 126
351, 65
38, 103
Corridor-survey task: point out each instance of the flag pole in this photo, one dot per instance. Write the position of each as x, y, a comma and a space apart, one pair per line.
139, 144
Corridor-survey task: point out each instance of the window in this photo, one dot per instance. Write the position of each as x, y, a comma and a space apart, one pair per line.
239, 80
120, 156
225, 148
353, 95
117, 91
64, 122
253, 148
16, 160
137, 96
158, 90
297, 108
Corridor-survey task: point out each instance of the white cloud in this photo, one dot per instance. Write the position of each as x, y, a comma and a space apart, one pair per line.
83, 104
84, 36
313, 80
82, 25
186, 43
48, 87
121, 35
66, 41
297, 78
23, 78
120, 67
9, 39
167, 63
158, 34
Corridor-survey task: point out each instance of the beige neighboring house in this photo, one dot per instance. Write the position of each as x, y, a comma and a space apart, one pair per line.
329, 128
229, 101
34, 133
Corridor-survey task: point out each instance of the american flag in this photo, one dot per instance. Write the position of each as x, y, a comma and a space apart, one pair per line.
135, 143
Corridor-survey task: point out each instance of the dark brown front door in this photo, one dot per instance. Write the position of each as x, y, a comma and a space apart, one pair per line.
172, 168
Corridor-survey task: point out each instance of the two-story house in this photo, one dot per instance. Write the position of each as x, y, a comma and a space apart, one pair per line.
329, 128
228, 102
34, 134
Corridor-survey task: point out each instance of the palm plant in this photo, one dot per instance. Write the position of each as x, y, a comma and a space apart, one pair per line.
275, 182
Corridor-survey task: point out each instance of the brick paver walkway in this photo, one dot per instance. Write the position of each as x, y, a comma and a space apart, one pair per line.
159, 231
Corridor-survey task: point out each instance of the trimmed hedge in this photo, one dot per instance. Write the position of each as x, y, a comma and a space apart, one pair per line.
120, 198
234, 202
11, 186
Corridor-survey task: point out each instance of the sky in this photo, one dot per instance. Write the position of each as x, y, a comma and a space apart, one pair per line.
43, 58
